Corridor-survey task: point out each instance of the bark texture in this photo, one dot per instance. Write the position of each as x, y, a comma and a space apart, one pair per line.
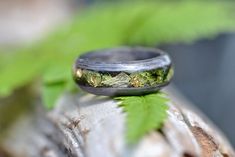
91, 126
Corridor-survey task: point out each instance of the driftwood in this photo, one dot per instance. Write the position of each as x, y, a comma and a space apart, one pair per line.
85, 125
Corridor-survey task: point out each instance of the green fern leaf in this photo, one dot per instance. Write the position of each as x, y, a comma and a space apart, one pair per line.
144, 114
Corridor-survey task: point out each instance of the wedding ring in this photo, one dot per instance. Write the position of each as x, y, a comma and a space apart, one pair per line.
123, 71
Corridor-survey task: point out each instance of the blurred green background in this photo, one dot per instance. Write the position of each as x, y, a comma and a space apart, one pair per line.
39, 41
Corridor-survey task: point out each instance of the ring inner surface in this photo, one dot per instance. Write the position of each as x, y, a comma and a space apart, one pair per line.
120, 55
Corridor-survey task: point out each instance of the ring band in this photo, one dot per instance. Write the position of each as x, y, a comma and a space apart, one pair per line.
123, 71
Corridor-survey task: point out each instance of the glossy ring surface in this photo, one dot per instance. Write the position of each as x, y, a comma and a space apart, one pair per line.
123, 71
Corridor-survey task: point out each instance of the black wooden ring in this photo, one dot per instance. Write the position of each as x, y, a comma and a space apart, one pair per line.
123, 71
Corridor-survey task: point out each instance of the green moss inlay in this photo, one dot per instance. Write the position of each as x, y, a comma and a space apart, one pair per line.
122, 79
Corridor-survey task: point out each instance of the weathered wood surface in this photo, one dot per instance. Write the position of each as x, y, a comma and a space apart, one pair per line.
91, 126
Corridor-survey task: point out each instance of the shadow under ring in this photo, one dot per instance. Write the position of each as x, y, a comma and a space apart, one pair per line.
123, 71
